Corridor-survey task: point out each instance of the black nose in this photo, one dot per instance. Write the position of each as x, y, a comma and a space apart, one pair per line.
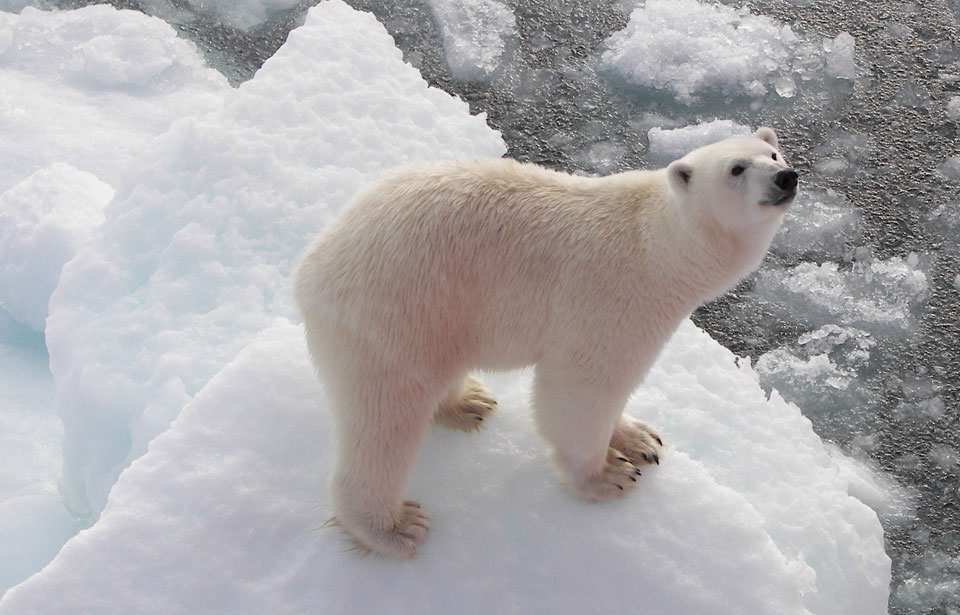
786, 179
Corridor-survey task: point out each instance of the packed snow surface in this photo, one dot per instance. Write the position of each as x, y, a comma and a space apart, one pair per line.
690, 48
178, 361
747, 513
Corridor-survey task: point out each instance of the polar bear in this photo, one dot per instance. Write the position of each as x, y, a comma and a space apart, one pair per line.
440, 269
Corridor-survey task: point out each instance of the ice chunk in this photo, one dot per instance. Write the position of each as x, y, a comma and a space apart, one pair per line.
951, 168
666, 145
195, 254
825, 372
43, 221
883, 297
475, 35
690, 48
747, 510
820, 224
945, 223
953, 108
840, 56
603, 158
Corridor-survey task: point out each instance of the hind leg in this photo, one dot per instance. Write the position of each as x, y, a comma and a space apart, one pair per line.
379, 426
465, 405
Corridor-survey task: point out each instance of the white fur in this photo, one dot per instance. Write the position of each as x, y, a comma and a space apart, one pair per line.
440, 269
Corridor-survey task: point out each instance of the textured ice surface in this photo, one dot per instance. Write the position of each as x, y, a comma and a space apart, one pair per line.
668, 144
195, 253
691, 48
475, 35
883, 297
747, 513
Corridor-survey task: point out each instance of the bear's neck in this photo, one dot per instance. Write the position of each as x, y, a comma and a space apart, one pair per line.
709, 261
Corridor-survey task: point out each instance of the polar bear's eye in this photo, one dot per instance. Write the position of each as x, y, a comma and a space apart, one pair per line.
774, 155
737, 170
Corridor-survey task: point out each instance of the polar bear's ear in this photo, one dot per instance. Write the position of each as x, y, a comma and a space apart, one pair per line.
679, 174
767, 134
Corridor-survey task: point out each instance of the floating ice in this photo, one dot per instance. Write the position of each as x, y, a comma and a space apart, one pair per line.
690, 48
953, 108
195, 252
820, 224
43, 221
475, 35
840, 56
666, 145
883, 297
951, 168
824, 372
749, 512
944, 222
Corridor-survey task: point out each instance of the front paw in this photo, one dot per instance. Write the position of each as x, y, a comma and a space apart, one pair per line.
617, 476
638, 442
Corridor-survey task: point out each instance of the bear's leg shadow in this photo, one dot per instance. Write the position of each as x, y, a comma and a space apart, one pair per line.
465, 405
577, 418
380, 424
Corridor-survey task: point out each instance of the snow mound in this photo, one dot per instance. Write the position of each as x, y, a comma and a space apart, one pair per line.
748, 512
475, 35
197, 246
689, 47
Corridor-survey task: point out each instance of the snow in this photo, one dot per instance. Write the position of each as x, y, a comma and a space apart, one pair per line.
748, 513
691, 48
475, 35
195, 434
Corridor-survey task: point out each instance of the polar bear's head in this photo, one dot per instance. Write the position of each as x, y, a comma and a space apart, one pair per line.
743, 184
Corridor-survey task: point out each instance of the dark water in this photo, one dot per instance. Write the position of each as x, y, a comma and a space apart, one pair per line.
891, 130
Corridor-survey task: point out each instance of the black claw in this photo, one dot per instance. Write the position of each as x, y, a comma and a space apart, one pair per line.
624, 459
479, 418
619, 487
659, 441
638, 472
632, 478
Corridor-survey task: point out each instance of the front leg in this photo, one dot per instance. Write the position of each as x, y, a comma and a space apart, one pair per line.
577, 418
